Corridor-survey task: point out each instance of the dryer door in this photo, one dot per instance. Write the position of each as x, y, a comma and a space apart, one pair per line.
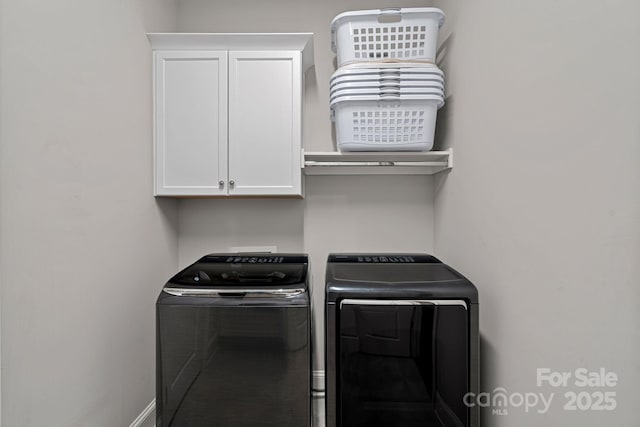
403, 363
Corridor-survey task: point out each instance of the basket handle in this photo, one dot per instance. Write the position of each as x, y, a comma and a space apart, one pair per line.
389, 15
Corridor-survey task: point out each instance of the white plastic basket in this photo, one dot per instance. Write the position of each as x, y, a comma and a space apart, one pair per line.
386, 79
344, 72
358, 68
393, 34
382, 85
376, 124
390, 65
387, 92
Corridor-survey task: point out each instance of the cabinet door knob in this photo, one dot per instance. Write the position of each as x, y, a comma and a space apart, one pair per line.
221, 183
232, 183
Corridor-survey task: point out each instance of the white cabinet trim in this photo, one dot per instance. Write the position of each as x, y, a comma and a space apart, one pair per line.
302, 42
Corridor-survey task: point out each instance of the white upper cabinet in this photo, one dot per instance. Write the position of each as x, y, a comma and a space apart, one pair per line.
228, 113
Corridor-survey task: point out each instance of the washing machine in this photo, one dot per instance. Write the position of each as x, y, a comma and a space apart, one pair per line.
233, 344
401, 342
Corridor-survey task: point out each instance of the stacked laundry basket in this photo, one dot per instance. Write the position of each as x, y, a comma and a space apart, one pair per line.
387, 89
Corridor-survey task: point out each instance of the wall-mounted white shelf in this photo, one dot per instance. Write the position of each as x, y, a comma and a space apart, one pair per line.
377, 163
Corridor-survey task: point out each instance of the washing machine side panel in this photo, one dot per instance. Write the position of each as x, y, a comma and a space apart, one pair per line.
474, 361
330, 364
180, 349
159, 379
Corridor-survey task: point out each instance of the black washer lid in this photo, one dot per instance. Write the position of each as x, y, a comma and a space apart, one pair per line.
244, 269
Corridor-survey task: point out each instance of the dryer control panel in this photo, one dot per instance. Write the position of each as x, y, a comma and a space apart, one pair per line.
384, 259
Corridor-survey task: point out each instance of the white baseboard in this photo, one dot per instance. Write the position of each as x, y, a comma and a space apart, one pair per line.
146, 417
317, 384
318, 396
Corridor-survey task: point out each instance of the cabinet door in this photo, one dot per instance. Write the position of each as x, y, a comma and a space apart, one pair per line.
265, 97
191, 123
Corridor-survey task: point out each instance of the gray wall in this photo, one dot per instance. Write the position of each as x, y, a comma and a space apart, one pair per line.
85, 248
542, 208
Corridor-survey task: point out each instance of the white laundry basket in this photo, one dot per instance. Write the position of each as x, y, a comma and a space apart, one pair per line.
406, 86
386, 93
385, 123
393, 34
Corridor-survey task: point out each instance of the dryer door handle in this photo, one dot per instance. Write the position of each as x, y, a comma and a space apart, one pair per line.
403, 302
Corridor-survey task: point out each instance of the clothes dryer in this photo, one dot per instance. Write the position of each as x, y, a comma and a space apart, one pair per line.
401, 342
